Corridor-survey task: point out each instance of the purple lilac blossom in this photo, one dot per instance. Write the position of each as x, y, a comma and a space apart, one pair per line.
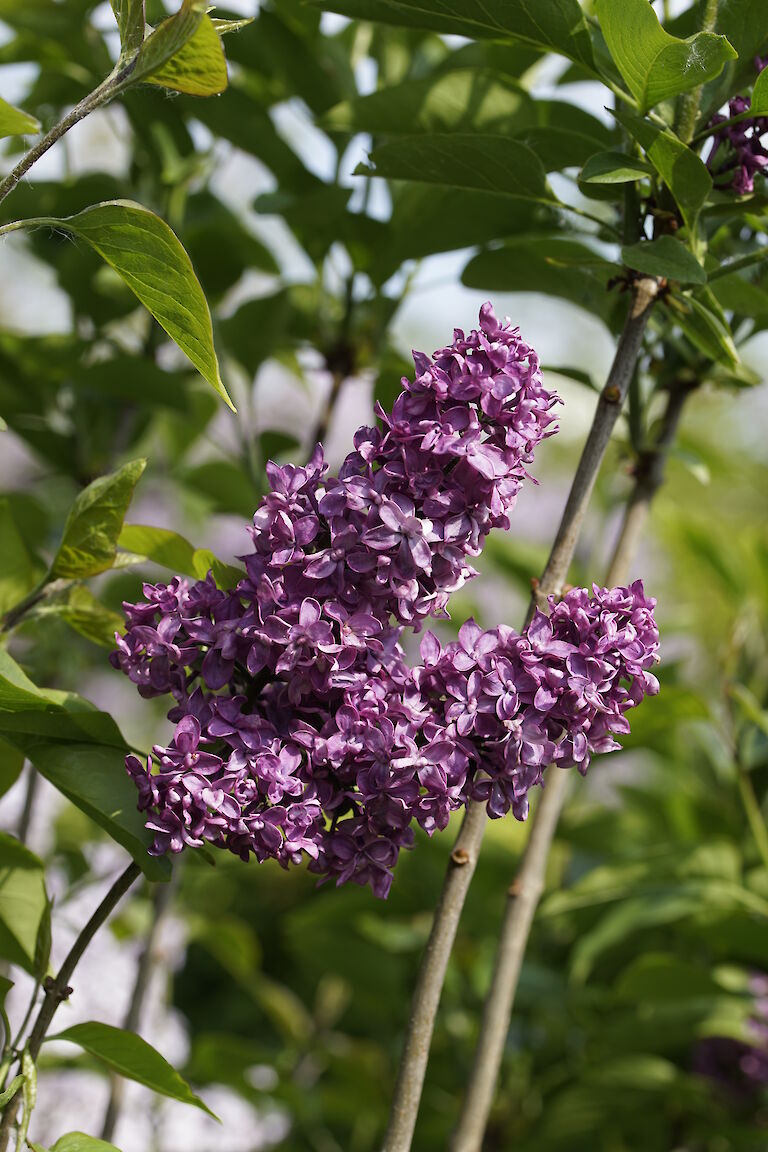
300, 730
737, 153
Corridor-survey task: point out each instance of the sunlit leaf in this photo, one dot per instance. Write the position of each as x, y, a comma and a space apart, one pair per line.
148, 256
93, 526
14, 122
132, 1057
655, 65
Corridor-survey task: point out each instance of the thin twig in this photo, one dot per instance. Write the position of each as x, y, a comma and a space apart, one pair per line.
162, 895
413, 1064
526, 891
57, 989
106, 91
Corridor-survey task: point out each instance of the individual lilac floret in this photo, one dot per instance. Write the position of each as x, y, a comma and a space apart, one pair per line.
737, 152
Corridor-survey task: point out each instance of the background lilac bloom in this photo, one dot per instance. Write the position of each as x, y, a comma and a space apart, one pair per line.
301, 732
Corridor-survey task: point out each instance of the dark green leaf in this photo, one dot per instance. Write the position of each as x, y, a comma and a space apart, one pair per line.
665, 257
456, 101
94, 779
558, 25
682, 171
93, 526
614, 168
11, 764
147, 255
486, 163
130, 1056
14, 122
655, 65
548, 264
131, 22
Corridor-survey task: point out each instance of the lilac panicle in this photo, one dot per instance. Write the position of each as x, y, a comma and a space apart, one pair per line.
301, 733
738, 154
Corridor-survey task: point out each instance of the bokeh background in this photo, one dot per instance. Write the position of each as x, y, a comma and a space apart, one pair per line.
284, 1004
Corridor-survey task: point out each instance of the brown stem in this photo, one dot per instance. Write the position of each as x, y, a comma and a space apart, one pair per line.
162, 894
649, 477
57, 988
525, 893
426, 998
522, 900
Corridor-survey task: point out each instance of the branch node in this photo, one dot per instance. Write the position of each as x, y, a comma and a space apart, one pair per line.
460, 856
646, 291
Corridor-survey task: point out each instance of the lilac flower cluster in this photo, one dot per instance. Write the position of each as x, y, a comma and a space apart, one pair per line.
738, 152
300, 730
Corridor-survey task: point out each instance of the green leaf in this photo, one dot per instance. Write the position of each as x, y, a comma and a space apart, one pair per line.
18, 572
16, 689
130, 1056
79, 1142
705, 329
665, 257
655, 65
11, 764
167, 39
81, 610
759, 106
682, 171
613, 168
11, 1090
148, 256
548, 264
93, 526
487, 163
14, 122
557, 25
131, 23
94, 779
458, 101
169, 549
199, 68
23, 902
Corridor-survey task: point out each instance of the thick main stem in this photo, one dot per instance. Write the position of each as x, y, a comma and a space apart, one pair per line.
57, 989
526, 891
426, 998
